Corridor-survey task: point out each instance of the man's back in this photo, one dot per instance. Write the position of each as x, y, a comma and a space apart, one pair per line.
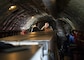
35, 29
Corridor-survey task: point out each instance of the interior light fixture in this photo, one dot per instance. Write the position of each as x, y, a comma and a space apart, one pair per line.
12, 7
32, 17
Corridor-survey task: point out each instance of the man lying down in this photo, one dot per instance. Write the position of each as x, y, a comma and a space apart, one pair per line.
6, 47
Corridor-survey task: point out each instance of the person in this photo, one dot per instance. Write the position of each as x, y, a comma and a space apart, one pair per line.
23, 31
46, 27
73, 36
35, 28
4, 45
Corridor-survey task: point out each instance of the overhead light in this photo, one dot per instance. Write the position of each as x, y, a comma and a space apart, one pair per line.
23, 28
12, 7
32, 17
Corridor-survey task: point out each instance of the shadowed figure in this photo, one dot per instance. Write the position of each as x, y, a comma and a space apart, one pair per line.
35, 28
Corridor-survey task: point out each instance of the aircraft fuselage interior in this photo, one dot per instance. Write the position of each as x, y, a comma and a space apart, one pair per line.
41, 30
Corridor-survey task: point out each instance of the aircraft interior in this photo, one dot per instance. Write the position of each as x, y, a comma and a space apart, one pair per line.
24, 35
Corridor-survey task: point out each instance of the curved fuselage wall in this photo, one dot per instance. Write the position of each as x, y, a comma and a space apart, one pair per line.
75, 12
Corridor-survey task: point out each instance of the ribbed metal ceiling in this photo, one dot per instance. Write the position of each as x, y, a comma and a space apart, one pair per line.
72, 9
13, 20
